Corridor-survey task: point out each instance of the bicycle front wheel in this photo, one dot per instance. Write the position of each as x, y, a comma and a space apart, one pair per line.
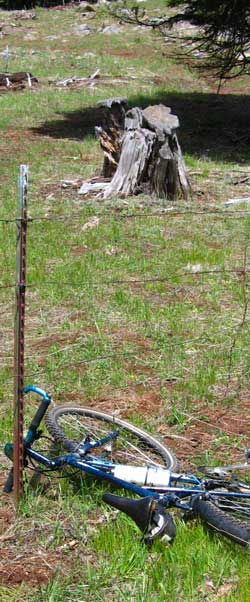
73, 425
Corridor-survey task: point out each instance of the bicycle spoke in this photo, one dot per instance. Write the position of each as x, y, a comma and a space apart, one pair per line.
117, 448
237, 506
132, 446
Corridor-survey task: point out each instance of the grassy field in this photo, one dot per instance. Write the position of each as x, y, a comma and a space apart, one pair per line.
136, 306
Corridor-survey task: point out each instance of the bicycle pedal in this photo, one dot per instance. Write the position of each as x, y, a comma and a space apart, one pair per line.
188, 515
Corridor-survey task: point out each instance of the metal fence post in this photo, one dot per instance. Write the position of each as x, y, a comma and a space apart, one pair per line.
19, 332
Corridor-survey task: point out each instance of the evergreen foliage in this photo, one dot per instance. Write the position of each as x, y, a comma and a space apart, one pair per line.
226, 27
222, 36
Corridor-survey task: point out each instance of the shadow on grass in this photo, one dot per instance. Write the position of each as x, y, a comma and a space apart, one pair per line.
211, 126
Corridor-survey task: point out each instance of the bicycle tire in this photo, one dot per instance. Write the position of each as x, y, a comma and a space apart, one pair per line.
226, 523
133, 445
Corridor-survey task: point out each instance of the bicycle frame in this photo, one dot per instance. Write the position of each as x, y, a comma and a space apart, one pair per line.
179, 487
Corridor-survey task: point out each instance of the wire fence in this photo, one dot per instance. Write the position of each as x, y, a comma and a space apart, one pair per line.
168, 213
175, 356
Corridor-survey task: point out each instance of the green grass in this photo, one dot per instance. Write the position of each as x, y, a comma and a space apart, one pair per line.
164, 351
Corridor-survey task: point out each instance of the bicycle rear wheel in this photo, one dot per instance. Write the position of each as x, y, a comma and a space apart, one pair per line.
73, 425
229, 516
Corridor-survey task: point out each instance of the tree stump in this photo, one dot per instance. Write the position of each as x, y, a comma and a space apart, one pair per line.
111, 134
141, 151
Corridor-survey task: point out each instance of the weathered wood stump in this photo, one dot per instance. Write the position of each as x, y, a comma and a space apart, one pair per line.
111, 133
141, 151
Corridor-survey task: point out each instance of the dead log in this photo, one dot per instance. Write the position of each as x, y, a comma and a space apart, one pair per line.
141, 151
11, 79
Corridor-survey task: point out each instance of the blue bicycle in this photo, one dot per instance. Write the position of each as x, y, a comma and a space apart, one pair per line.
111, 449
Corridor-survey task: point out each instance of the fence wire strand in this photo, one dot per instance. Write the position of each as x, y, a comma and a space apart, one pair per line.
167, 213
241, 271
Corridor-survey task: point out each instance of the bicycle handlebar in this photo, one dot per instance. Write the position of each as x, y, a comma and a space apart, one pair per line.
38, 391
46, 399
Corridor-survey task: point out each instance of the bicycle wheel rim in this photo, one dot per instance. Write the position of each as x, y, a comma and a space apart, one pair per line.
70, 426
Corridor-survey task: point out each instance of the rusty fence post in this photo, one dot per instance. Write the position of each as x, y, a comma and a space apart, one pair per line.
21, 232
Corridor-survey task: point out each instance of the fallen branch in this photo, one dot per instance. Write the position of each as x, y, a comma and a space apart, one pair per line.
74, 80
18, 79
238, 201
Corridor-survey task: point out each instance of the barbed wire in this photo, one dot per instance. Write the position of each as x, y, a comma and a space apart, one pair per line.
173, 375
169, 213
100, 358
202, 341
192, 271
241, 271
242, 321
4, 286
198, 341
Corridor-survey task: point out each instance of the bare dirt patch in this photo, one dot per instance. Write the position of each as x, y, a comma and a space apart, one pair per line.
78, 251
34, 569
204, 428
123, 53
28, 550
55, 339
214, 428
37, 566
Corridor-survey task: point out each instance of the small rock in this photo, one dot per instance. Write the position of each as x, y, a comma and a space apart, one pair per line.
30, 36
88, 8
92, 223
82, 30
110, 29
